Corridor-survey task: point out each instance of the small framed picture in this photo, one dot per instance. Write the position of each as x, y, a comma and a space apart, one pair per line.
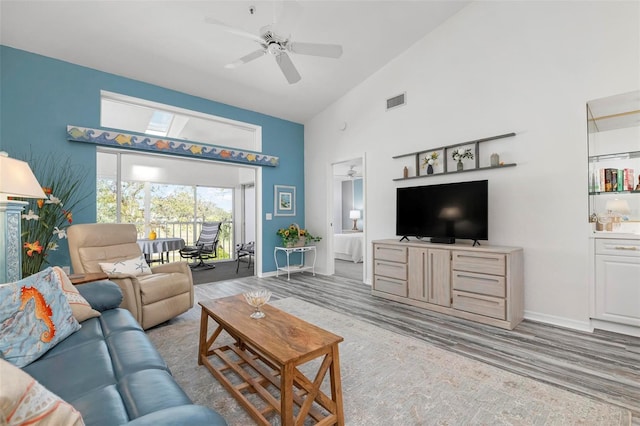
284, 200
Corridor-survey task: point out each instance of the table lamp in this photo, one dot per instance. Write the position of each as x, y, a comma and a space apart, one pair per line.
16, 180
616, 209
354, 215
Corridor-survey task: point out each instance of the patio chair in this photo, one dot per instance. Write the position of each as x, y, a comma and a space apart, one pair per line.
206, 247
244, 250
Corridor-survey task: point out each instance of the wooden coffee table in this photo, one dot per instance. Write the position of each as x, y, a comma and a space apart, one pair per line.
261, 369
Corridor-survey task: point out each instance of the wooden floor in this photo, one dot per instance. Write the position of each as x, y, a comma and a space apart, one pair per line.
602, 365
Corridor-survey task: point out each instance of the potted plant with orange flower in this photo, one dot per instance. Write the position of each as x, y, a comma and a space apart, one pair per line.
44, 221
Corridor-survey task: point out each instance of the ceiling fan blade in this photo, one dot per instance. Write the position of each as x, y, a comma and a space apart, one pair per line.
232, 30
316, 49
246, 58
288, 69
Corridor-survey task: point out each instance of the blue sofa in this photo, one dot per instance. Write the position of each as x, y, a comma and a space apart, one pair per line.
110, 371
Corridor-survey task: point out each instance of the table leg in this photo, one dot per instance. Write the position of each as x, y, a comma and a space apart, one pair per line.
288, 267
286, 395
336, 384
202, 347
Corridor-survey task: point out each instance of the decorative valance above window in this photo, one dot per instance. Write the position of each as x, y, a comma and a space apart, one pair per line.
168, 146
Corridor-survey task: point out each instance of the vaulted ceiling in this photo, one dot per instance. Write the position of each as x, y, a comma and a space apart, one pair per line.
171, 44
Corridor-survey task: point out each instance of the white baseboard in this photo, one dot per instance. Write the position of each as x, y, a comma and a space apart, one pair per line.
616, 328
559, 321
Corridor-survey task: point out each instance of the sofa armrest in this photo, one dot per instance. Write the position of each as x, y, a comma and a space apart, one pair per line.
130, 287
101, 295
192, 415
180, 267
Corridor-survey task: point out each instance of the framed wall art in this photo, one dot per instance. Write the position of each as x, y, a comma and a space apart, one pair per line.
284, 200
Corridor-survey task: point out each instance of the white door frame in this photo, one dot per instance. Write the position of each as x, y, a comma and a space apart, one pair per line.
330, 261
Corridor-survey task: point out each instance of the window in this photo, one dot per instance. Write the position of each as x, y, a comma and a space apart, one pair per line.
142, 116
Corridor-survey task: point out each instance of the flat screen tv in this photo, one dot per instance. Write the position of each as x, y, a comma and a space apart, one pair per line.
443, 212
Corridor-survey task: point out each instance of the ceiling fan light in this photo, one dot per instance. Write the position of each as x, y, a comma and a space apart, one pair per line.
274, 48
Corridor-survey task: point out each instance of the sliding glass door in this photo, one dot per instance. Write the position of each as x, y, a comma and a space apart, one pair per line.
170, 196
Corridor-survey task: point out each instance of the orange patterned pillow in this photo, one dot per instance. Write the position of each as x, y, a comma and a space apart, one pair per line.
81, 309
25, 401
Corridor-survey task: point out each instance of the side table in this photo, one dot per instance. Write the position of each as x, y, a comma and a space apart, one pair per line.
295, 268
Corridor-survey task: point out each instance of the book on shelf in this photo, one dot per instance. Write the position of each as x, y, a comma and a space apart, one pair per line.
612, 180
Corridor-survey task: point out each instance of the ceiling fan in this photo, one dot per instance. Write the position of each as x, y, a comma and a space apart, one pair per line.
352, 173
278, 46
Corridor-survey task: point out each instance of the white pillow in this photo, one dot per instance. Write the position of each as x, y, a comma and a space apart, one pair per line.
136, 266
25, 401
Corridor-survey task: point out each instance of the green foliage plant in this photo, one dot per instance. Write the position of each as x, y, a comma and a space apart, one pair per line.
291, 235
44, 221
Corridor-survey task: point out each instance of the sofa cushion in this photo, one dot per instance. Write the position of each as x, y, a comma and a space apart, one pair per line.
34, 316
132, 351
102, 407
135, 266
101, 295
87, 366
25, 401
79, 306
138, 393
194, 415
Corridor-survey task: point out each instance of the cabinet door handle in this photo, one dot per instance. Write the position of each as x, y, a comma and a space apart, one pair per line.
389, 249
632, 248
495, 259
495, 302
390, 265
477, 278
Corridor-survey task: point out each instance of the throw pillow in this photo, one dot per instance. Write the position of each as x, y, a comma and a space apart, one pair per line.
136, 266
25, 401
34, 316
81, 309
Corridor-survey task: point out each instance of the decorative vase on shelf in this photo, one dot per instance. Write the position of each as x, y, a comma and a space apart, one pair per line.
460, 166
429, 169
495, 160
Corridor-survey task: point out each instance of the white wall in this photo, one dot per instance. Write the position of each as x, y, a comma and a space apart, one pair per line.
495, 67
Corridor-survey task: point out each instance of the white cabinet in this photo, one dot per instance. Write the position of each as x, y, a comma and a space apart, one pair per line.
483, 284
617, 280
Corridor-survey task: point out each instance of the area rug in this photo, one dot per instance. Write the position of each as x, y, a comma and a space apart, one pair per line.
390, 379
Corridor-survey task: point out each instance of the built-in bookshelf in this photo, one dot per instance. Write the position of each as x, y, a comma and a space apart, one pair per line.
613, 180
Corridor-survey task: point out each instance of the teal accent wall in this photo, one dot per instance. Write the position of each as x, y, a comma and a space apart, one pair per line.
40, 96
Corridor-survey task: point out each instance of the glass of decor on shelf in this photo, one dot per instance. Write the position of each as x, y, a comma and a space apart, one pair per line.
460, 154
257, 298
430, 161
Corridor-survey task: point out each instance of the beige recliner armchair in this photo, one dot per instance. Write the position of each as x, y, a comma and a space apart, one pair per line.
152, 299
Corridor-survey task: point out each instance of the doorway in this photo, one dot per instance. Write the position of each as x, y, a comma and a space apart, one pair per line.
348, 219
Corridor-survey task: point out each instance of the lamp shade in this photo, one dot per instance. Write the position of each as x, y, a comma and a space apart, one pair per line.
17, 179
354, 214
618, 206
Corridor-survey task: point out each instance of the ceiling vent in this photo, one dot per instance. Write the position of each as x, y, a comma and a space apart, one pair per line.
396, 101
